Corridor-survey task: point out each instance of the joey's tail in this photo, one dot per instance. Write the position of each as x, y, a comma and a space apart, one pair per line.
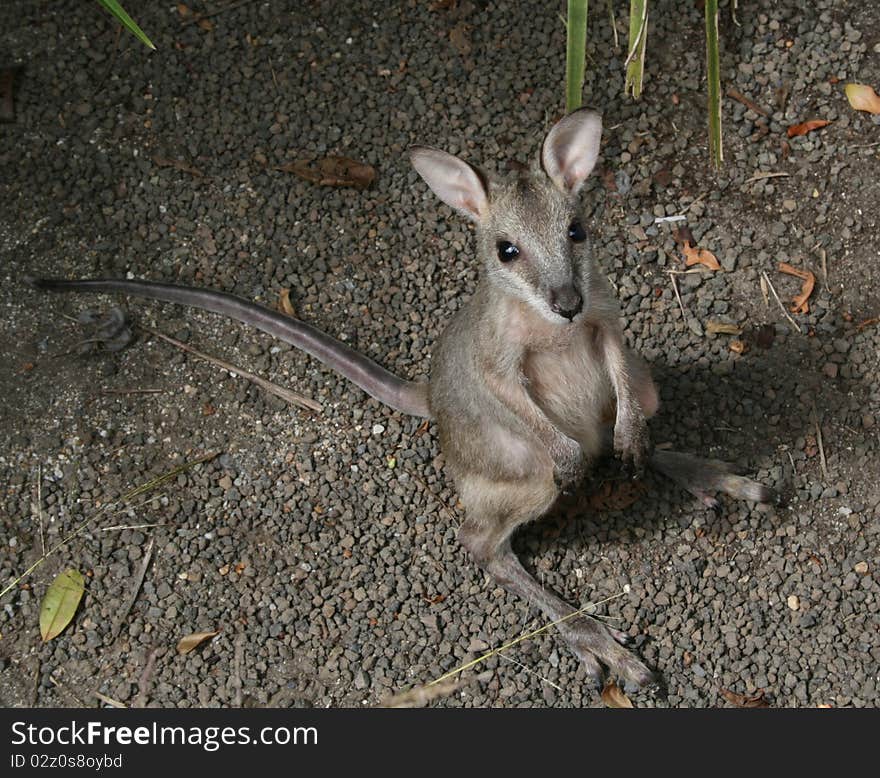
407, 396
703, 477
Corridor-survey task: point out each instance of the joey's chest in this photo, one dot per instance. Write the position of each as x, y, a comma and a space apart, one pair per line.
568, 373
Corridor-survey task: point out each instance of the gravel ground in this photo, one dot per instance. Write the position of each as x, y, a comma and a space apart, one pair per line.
323, 546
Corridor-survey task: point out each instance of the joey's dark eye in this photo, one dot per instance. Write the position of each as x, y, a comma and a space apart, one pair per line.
576, 232
507, 251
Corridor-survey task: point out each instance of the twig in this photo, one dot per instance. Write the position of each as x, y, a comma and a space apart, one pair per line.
136, 587
823, 463
67, 690
521, 638
764, 292
678, 296
824, 258
677, 218
231, 7
110, 701
867, 323
294, 398
132, 391
529, 670
765, 174
238, 661
138, 490
613, 24
741, 98
132, 526
781, 306
144, 681
40, 507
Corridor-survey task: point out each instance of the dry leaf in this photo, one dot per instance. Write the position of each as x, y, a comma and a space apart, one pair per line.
420, 696
616, 496
695, 256
458, 37
284, 303
613, 696
183, 10
190, 642
799, 302
802, 129
332, 171
863, 98
764, 335
206, 24
722, 328
738, 346
7, 84
683, 235
758, 700
60, 603
178, 164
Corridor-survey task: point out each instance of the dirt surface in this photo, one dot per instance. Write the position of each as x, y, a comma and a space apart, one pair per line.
323, 546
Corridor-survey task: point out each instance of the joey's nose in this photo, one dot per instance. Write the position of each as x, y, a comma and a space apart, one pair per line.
566, 301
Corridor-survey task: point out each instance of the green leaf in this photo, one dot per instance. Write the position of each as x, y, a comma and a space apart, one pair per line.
575, 53
119, 12
638, 36
60, 603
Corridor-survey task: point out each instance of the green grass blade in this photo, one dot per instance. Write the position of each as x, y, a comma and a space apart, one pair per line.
575, 54
713, 74
119, 12
638, 35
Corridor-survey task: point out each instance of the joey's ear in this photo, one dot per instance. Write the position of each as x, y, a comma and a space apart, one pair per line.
454, 181
571, 148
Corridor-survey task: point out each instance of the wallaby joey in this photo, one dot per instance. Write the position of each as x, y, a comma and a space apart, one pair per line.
526, 375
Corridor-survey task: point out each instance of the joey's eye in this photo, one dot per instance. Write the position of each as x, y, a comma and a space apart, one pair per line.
576, 232
507, 251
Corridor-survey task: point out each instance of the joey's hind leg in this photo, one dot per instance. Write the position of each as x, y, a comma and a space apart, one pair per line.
494, 510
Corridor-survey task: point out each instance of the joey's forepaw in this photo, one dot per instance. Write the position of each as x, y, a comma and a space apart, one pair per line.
632, 445
568, 459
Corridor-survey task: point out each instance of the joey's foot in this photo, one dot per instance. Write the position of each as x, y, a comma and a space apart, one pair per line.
599, 648
632, 444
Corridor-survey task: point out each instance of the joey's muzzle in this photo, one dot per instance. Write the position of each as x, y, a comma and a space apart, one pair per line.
566, 301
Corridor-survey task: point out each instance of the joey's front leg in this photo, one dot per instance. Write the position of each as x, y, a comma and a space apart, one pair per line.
632, 441
568, 460
566, 453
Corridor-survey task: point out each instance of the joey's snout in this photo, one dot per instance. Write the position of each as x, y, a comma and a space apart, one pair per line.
566, 301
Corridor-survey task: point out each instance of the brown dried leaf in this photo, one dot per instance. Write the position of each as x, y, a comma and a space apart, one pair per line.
206, 24
613, 696
764, 335
284, 303
616, 495
421, 695
459, 38
177, 164
194, 640
184, 10
683, 235
332, 171
7, 85
738, 346
695, 256
722, 328
799, 302
802, 129
863, 98
758, 700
